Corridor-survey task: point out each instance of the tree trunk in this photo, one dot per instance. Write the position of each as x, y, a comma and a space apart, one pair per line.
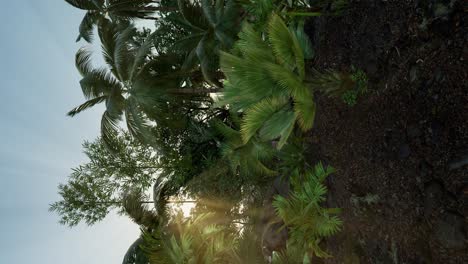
194, 91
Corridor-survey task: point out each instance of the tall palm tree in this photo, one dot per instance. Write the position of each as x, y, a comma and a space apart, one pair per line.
130, 85
115, 10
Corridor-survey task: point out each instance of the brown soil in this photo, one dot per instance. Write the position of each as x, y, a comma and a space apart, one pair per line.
405, 143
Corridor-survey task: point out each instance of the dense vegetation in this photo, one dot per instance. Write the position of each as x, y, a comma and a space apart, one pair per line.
216, 101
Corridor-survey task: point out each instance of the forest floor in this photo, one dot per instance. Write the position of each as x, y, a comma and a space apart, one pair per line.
401, 152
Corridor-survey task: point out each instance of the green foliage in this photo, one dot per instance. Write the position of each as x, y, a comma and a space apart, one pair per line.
360, 80
116, 10
98, 186
211, 26
291, 255
243, 158
260, 10
186, 152
138, 211
193, 240
265, 80
182, 143
307, 221
135, 87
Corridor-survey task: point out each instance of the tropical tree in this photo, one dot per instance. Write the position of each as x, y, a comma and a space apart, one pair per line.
117, 10
211, 26
308, 223
265, 80
132, 85
99, 185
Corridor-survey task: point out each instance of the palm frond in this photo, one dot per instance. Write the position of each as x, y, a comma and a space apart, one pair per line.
88, 104
192, 15
207, 54
303, 40
252, 46
108, 36
109, 127
83, 4
143, 51
331, 82
285, 45
98, 82
209, 10
305, 110
136, 123
83, 61
256, 116
87, 25
289, 81
307, 221
124, 55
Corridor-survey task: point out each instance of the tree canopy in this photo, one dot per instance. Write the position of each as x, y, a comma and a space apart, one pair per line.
216, 102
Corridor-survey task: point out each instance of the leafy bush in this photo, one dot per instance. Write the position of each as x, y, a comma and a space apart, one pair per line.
265, 80
307, 221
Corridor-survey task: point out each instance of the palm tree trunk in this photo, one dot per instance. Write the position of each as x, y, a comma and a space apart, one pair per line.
194, 91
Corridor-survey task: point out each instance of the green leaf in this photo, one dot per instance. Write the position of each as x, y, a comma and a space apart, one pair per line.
83, 4
303, 40
305, 110
87, 26
258, 114
97, 83
136, 123
83, 61
124, 56
109, 130
285, 45
88, 104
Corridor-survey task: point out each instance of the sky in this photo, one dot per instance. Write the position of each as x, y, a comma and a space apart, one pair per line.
39, 84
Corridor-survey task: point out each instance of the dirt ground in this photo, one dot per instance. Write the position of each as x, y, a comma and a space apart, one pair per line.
402, 150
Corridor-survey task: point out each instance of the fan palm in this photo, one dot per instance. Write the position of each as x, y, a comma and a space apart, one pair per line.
307, 221
265, 80
114, 9
131, 85
246, 159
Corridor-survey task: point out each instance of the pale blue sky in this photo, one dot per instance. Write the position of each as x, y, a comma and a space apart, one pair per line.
39, 84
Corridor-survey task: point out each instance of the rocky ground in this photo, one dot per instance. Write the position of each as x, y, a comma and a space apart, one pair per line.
402, 150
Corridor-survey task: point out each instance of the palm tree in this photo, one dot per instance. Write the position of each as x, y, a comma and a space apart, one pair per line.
307, 221
212, 26
265, 80
115, 10
131, 85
